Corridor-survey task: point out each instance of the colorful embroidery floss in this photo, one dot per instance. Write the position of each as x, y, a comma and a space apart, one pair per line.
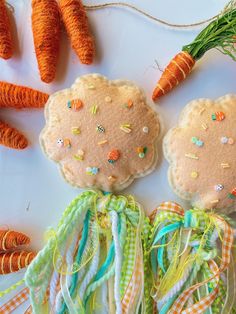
197, 142
219, 187
75, 130
75, 104
126, 128
113, 156
100, 128
141, 151
92, 171
218, 116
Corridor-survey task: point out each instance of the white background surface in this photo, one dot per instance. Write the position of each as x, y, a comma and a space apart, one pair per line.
127, 47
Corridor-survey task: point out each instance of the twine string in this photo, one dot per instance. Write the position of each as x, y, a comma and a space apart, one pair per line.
147, 15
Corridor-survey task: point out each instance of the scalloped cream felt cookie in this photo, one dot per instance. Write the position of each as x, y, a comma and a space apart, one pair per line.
102, 133
201, 151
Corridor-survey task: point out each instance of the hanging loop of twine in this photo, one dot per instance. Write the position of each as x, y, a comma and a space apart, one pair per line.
147, 15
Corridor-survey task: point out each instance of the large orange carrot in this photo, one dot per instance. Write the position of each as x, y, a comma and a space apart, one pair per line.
14, 96
10, 239
219, 34
76, 24
6, 45
11, 137
46, 33
11, 262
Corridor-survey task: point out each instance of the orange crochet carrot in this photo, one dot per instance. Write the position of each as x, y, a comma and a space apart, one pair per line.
11, 137
76, 24
219, 34
11, 262
46, 33
19, 97
6, 45
10, 239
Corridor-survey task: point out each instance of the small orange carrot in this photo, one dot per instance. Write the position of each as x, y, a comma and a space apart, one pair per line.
175, 72
15, 96
11, 262
46, 33
220, 34
76, 24
11, 137
10, 239
6, 44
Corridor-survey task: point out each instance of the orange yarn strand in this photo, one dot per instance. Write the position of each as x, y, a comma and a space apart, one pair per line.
10, 239
11, 137
6, 45
13, 261
14, 96
76, 24
46, 33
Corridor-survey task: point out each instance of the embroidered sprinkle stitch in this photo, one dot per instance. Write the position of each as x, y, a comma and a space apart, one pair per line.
100, 128
197, 142
215, 201
113, 156
126, 128
60, 142
145, 129
191, 156
232, 194
94, 109
230, 141
224, 140
92, 171
75, 104
80, 155
205, 126
129, 104
91, 87
218, 116
112, 178
194, 174
225, 165
75, 130
219, 187
67, 143
103, 142
108, 99
141, 151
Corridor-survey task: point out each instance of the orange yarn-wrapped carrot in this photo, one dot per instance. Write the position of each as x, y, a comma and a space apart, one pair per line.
13, 261
46, 33
76, 23
220, 34
6, 45
15, 96
10, 239
176, 71
11, 137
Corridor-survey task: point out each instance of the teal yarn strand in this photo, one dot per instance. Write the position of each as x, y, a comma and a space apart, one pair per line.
78, 257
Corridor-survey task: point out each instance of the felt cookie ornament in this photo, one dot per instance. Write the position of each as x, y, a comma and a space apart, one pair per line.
219, 34
103, 135
192, 251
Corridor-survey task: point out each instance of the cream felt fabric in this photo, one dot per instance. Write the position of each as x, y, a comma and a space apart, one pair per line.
204, 172
117, 103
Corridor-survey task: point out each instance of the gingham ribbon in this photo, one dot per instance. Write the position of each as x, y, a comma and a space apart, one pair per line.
15, 302
133, 287
199, 307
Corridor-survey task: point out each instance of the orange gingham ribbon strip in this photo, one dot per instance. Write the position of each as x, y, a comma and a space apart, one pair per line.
15, 302
29, 310
133, 287
204, 303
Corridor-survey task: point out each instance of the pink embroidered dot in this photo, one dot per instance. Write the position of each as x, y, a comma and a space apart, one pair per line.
231, 141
